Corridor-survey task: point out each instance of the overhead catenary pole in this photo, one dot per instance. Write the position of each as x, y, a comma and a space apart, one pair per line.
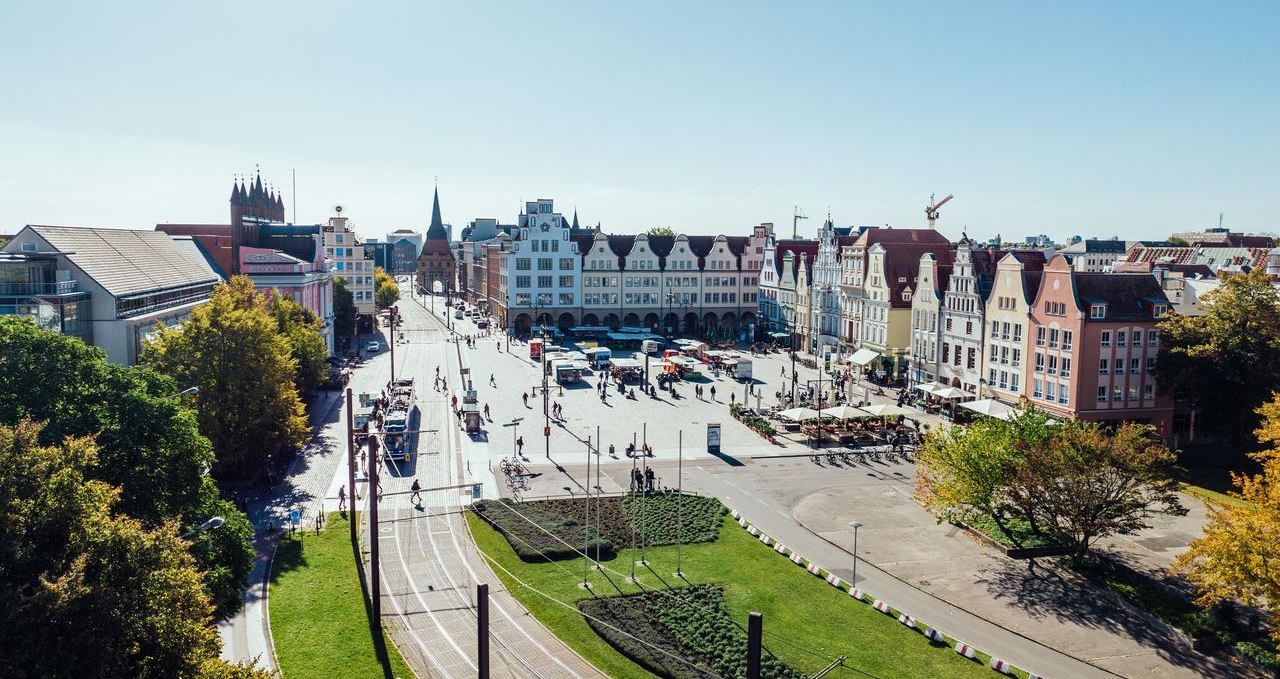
482, 630
375, 452
755, 630
351, 470
644, 495
633, 523
679, 498
598, 492
586, 525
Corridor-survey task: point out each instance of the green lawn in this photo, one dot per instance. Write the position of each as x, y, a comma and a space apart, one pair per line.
807, 622
318, 618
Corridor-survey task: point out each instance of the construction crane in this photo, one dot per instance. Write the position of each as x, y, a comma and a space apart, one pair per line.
931, 212
794, 219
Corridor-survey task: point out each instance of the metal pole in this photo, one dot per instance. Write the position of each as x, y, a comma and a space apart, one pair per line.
546, 413
598, 492
679, 498
482, 630
351, 470
644, 495
633, 525
755, 630
856, 526
375, 452
392, 339
586, 525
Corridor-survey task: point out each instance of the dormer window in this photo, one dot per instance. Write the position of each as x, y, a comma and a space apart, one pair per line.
1161, 310
1097, 311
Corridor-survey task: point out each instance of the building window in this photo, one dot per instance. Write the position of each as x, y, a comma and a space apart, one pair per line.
1040, 336
544, 281
1017, 332
1119, 366
1066, 367
1097, 311
1135, 366
1117, 394
1102, 394
1121, 338
1160, 310
1013, 382
995, 329
1053, 365
566, 281
1104, 367
522, 281
1106, 338
522, 264
1062, 394
1148, 391
1037, 389
566, 264
1151, 364
1066, 340
1053, 338
522, 299
973, 359
544, 264
1137, 338
1153, 338
948, 324
1017, 357
1039, 362
566, 299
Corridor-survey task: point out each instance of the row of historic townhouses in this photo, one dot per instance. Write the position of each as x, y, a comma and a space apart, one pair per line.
1093, 340
961, 323
803, 314
825, 297
889, 262
1016, 283
926, 311
543, 270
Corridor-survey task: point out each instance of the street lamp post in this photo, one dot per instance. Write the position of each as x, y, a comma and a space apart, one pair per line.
211, 524
856, 525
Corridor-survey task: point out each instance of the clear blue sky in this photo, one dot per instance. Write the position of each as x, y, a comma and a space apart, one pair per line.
1123, 118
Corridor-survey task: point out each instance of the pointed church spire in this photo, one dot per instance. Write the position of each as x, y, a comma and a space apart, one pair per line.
575, 219
436, 230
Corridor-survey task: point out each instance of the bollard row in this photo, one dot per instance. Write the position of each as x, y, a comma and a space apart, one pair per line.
855, 593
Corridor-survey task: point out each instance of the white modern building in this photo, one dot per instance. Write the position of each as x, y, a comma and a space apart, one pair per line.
346, 251
541, 277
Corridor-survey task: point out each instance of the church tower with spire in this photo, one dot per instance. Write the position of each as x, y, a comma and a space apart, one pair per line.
252, 204
436, 263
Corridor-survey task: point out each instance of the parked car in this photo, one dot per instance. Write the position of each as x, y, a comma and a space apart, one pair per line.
373, 347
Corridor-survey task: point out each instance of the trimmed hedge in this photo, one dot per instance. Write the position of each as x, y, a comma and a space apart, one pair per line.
689, 623
661, 517
531, 542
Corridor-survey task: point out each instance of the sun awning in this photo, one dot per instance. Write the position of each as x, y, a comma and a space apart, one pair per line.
950, 393
863, 356
799, 414
885, 410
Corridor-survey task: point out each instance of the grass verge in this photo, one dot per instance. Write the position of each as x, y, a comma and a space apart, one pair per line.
1016, 532
807, 622
318, 618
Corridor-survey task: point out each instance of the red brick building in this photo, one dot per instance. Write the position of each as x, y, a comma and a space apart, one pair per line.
1092, 346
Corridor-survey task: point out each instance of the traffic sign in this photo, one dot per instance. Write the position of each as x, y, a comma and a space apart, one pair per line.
475, 491
295, 517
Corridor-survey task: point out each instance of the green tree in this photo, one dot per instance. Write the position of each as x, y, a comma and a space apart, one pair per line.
230, 348
968, 469
1237, 556
149, 443
1084, 484
85, 592
1236, 343
344, 309
661, 231
302, 329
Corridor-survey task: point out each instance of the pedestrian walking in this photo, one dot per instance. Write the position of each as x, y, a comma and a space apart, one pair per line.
713, 392
486, 412
416, 496
648, 479
342, 498
526, 399
520, 445
731, 398
363, 460
492, 382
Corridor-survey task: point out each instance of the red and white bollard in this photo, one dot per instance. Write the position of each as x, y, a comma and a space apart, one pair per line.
855, 593
907, 620
1001, 666
880, 606
813, 569
834, 580
965, 650
795, 559
933, 635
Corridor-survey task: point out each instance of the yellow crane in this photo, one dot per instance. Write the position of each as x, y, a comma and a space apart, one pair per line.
931, 211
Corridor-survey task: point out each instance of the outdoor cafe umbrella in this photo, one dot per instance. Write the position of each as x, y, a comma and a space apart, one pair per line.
843, 412
885, 410
950, 393
799, 414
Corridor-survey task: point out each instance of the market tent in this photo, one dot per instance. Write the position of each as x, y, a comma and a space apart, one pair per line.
863, 356
927, 388
886, 410
625, 363
799, 414
844, 412
991, 408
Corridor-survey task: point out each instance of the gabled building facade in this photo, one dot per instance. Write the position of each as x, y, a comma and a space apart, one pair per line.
963, 309
1014, 290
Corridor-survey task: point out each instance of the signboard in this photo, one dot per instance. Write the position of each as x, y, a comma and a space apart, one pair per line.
475, 491
295, 517
713, 437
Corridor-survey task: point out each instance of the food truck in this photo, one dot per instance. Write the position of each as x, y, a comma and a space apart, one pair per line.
565, 370
738, 366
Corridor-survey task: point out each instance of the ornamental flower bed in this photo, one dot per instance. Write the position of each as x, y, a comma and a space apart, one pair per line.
690, 624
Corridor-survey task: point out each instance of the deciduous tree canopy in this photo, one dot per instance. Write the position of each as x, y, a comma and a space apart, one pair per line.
86, 592
344, 309
302, 329
231, 349
1239, 555
149, 445
1226, 361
